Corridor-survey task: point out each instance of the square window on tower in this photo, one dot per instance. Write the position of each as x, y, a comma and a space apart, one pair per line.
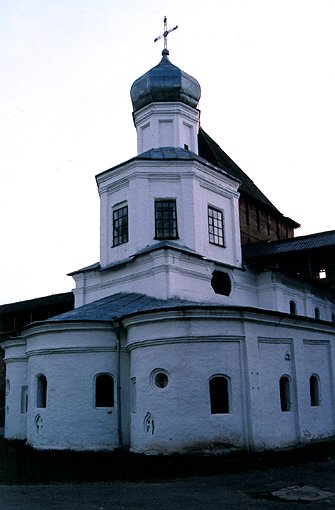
166, 219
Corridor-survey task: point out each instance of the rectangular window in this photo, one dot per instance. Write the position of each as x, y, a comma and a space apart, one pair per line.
120, 226
166, 219
215, 226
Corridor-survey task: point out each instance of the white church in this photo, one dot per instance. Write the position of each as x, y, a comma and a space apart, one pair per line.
205, 324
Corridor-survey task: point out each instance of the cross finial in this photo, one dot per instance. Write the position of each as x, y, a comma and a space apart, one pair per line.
165, 33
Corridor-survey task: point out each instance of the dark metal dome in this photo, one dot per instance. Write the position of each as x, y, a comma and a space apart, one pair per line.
164, 83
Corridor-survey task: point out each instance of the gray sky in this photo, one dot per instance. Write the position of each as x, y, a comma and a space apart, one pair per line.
266, 69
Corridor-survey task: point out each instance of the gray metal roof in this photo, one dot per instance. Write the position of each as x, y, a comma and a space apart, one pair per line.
120, 305
172, 154
286, 246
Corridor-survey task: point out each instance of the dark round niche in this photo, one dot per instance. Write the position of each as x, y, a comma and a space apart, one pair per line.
221, 283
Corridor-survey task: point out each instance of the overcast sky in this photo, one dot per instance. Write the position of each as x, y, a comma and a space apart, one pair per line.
266, 69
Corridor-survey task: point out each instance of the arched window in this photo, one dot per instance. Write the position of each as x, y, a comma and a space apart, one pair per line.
42, 390
293, 307
104, 390
285, 394
317, 313
219, 394
314, 390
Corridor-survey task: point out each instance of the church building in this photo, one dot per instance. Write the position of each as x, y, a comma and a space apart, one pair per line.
205, 324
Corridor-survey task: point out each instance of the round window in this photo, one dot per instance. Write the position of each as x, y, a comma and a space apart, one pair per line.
159, 379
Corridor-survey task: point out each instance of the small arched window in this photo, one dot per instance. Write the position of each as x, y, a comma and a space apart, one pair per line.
293, 307
104, 390
285, 393
42, 390
219, 394
317, 313
314, 390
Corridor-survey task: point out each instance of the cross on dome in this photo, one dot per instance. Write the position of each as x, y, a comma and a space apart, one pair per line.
165, 33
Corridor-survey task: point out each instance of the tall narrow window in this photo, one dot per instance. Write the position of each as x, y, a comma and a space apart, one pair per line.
104, 391
42, 389
24, 399
293, 308
120, 225
219, 394
314, 390
166, 219
215, 226
285, 396
317, 313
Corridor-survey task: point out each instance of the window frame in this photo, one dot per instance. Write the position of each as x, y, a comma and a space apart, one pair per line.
120, 224
314, 390
293, 307
155, 374
285, 393
99, 398
224, 407
169, 228
41, 391
216, 231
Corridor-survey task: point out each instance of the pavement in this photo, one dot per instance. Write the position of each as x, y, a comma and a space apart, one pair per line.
306, 486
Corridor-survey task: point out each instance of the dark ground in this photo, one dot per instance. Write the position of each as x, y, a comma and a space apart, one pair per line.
32, 480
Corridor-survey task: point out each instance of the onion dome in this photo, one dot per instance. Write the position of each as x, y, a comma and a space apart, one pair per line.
165, 83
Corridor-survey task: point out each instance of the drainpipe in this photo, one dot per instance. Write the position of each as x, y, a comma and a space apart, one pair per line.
117, 328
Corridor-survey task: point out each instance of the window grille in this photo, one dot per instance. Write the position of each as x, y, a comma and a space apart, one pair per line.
166, 219
120, 226
215, 226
